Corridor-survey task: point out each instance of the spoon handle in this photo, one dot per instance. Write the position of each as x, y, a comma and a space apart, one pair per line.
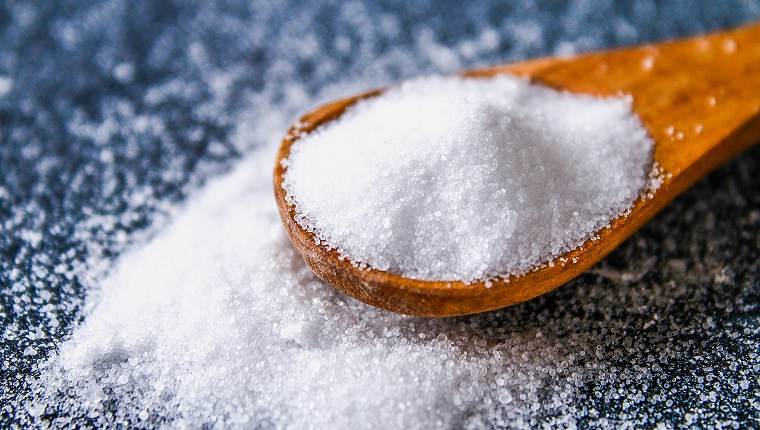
698, 97
700, 101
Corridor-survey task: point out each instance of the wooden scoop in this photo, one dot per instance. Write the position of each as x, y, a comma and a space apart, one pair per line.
698, 97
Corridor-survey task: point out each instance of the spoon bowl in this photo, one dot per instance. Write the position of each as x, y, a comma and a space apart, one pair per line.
699, 99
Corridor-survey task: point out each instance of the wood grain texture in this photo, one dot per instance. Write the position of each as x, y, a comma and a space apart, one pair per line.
699, 98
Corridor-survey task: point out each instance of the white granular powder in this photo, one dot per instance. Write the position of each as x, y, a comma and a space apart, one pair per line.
218, 323
468, 179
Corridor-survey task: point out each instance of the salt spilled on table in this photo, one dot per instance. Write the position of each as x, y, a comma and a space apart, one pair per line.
447, 178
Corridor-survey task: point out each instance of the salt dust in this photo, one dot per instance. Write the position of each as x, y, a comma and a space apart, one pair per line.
6, 85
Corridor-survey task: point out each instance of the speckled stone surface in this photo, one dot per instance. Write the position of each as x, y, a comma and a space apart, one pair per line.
113, 112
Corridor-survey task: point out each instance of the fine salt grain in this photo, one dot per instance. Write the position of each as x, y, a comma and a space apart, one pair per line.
6, 84
468, 179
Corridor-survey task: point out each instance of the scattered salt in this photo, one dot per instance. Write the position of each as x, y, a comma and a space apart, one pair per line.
468, 179
729, 46
6, 85
124, 72
198, 342
647, 63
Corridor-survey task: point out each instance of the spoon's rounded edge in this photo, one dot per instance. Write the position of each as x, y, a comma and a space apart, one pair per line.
404, 295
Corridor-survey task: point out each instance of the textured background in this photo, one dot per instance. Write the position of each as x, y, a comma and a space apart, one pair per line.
112, 112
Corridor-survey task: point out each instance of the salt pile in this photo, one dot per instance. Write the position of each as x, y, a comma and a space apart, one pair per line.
467, 179
218, 322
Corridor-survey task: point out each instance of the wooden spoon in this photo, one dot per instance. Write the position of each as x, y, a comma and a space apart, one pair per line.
698, 97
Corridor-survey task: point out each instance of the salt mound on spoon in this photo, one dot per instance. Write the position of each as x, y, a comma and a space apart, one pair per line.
463, 179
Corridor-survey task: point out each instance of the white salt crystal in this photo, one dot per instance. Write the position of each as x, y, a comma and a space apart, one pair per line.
468, 179
124, 72
729, 46
647, 63
6, 85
